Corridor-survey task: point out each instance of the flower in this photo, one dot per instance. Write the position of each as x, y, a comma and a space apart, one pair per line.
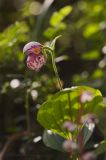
70, 146
32, 47
89, 118
68, 125
35, 59
89, 156
86, 97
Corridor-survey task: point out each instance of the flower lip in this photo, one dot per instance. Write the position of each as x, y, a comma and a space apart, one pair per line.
35, 62
31, 45
89, 118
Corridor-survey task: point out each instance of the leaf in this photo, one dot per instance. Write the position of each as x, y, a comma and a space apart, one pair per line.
55, 111
50, 32
88, 131
56, 22
52, 45
98, 73
53, 140
91, 29
92, 55
51, 118
57, 17
14, 33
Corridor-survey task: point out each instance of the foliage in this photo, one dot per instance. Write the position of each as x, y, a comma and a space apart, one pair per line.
54, 112
80, 59
66, 106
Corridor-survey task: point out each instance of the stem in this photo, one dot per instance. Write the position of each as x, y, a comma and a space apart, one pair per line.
11, 141
69, 104
50, 50
55, 70
47, 48
27, 111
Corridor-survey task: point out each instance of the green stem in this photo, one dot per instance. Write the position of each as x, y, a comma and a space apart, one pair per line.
50, 50
69, 104
55, 70
47, 48
27, 110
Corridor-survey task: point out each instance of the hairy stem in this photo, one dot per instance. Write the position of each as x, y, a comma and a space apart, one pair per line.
55, 70
51, 51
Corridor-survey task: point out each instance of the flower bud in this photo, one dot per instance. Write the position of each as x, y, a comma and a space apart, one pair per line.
35, 59
32, 47
89, 118
88, 156
69, 146
68, 125
86, 97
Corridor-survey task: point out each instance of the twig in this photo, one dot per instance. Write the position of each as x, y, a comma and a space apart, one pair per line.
11, 139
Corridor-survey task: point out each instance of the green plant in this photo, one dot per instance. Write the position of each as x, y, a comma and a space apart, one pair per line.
70, 115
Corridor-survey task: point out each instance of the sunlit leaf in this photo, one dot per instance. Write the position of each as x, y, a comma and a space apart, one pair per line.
91, 55
91, 29
14, 33
54, 112
57, 17
98, 73
50, 32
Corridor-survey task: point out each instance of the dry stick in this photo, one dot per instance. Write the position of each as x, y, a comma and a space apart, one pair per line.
11, 140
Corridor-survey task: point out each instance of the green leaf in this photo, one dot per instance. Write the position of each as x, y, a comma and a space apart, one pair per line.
57, 17
91, 29
14, 33
98, 73
53, 140
50, 32
52, 45
55, 111
49, 116
92, 55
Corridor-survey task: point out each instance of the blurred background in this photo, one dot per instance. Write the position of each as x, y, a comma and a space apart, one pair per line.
80, 58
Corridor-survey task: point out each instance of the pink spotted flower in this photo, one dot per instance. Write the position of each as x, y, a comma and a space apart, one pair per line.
34, 57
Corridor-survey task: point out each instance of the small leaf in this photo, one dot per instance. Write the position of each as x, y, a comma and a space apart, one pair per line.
50, 32
57, 17
54, 41
53, 140
91, 29
98, 73
92, 55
